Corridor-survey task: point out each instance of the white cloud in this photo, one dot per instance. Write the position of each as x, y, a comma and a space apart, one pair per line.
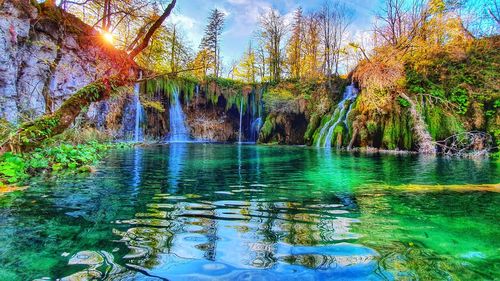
190, 27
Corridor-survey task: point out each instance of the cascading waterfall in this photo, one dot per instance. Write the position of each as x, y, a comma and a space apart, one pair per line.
178, 130
255, 129
339, 115
139, 112
256, 124
241, 120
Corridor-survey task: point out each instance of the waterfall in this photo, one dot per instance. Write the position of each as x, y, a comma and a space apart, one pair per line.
241, 119
178, 130
339, 115
255, 129
139, 111
256, 124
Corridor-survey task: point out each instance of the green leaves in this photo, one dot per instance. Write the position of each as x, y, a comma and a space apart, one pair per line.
12, 167
459, 96
18, 167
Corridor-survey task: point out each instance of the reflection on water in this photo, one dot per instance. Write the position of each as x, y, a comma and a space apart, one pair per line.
205, 212
137, 170
176, 159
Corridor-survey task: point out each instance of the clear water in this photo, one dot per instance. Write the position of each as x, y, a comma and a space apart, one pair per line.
223, 212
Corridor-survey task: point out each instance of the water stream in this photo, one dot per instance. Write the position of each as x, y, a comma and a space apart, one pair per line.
256, 115
241, 121
139, 113
339, 115
178, 129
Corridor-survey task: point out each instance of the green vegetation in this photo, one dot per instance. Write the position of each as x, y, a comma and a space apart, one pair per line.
74, 151
268, 128
166, 86
16, 168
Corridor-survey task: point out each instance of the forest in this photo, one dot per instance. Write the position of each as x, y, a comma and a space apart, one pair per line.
350, 98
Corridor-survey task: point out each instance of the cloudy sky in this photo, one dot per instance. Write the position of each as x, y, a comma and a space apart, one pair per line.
242, 19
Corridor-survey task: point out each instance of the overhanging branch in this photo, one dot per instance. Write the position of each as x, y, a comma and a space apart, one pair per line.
152, 29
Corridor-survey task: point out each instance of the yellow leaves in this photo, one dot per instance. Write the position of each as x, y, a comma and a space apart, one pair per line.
202, 63
437, 6
246, 70
156, 105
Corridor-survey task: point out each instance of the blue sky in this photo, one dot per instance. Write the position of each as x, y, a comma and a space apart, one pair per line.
242, 19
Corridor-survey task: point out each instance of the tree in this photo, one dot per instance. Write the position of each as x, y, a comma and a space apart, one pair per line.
51, 3
273, 31
202, 63
261, 61
494, 12
32, 134
128, 21
246, 69
311, 46
401, 22
167, 51
334, 19
295, 45
211, 39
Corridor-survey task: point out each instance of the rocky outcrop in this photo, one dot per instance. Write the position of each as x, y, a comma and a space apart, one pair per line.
211, 122
284, 128
44, 62
14, 31
286, 124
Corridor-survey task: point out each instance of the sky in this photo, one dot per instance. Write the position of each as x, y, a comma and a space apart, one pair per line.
242, 19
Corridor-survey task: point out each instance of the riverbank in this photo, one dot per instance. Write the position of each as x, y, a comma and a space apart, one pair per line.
73, 152
69, 156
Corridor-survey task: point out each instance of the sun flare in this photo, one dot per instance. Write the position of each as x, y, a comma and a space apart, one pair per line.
108, 37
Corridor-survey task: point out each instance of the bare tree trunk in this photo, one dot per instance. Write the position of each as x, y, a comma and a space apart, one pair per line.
425, 143
353, 138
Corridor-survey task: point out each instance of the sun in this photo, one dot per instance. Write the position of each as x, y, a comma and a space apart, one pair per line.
108, 37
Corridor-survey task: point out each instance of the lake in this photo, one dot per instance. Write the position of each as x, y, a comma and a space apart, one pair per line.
229, 212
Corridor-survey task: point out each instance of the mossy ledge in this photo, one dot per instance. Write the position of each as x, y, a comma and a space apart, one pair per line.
31, 134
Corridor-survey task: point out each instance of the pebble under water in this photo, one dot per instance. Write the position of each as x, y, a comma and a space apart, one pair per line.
228, 212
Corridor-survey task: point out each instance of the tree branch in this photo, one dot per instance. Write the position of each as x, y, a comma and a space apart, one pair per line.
152, 29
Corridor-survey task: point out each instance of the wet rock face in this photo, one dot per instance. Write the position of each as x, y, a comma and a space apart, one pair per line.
287, 128
211, 123
14, 31
30, 44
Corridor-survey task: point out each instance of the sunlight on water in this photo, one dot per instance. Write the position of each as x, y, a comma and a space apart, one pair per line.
205, 212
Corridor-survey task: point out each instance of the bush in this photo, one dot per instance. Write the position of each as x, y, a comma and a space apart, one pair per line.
15, 168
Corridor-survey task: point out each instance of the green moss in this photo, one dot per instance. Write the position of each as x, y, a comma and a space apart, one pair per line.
441, 124
339, 134
312, 126
267, 128
397, 130
225, 82
372, 127
167, 86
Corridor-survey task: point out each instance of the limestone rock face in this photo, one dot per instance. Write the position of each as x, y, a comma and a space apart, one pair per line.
36, 53
211, 123
14, 31
284, 128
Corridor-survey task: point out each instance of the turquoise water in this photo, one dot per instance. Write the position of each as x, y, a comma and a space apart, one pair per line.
224, 212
